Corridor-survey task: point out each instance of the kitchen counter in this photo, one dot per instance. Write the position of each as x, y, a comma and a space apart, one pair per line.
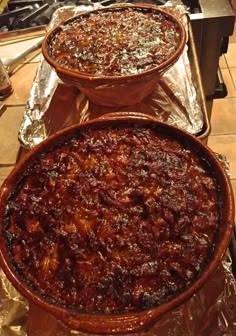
11, 116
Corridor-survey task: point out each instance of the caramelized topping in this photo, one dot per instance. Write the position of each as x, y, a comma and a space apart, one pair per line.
116, 219
116, 42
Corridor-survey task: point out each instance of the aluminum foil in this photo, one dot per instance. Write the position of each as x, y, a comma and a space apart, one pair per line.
225, 163
13, 309
174, 99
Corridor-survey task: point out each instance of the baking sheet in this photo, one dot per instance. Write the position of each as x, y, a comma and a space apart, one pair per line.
53, 106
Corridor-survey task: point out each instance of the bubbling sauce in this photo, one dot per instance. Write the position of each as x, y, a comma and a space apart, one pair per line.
112, 220
116, 42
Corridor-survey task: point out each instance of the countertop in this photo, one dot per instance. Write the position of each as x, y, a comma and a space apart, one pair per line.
10, 117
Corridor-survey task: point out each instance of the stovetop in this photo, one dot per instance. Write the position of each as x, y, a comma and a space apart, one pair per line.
20, 14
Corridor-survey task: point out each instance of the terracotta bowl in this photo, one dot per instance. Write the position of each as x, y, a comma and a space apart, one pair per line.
115, 90
132, 321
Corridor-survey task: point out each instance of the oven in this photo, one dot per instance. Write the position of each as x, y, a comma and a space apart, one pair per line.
212, 23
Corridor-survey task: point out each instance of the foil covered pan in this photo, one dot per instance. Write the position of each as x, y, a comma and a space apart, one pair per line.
53, 106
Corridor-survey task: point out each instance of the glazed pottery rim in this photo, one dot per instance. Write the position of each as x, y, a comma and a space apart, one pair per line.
127, 321
80, 75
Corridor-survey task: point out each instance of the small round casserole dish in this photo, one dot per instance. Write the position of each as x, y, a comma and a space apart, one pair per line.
115, 55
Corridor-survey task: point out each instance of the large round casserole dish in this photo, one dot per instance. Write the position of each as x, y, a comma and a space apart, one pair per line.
115, 55
137, 130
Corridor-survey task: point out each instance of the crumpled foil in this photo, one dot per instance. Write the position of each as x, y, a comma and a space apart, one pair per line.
13, 309
174, 99
225, 163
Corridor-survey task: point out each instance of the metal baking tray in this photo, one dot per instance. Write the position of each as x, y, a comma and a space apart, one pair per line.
50, 109
197, 81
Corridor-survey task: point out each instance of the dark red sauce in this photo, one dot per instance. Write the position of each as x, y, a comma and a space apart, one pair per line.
117, 219
116, 42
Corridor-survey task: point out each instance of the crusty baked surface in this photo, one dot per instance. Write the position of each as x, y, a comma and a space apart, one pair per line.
116, 42
115, 219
